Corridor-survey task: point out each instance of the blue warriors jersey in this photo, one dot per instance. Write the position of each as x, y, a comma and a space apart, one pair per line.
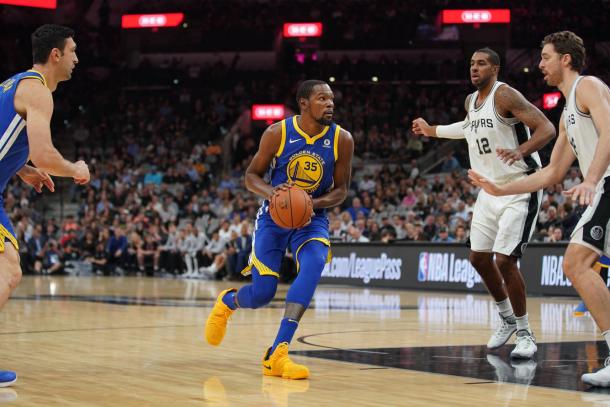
14, 147
604, 261
308, 161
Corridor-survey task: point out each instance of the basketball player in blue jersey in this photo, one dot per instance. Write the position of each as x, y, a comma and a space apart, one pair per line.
315, 154
26, 106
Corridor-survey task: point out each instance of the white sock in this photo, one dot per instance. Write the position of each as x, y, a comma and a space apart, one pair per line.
506, 309
523, 323
606, 336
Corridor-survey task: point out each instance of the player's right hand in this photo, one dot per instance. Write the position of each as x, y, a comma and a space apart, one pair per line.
486, 185
281, 187
81, 175
421, 127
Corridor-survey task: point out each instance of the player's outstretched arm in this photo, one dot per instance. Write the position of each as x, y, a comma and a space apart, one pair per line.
562, 158
267, 149
35, 101
450, 131
594, 97
342, 175
509, 100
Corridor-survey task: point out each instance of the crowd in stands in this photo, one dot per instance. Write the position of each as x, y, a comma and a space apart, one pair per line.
160, 211
168, 145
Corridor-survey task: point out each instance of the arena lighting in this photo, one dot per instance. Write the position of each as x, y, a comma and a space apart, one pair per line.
550, 100
151, 20
31, 3
267, 112
292, 30
495, 16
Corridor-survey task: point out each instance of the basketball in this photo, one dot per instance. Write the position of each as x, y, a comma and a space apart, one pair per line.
291, 208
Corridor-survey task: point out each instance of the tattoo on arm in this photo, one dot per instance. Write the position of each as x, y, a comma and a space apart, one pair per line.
511, 103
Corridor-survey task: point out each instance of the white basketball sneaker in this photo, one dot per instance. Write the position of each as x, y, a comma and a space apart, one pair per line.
501, 334
525, 345
601, 378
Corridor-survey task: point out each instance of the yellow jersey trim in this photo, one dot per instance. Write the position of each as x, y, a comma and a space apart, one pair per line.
602, 265
5, 234
283, 142
336, 142
42, 78
309, 139
319, 239
262, 269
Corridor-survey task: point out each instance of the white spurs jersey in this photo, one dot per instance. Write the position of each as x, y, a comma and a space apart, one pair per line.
581, 132
485, 131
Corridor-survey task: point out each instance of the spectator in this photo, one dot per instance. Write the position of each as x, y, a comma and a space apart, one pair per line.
357, 208
443, 236
117, 250
355, 235
52, 259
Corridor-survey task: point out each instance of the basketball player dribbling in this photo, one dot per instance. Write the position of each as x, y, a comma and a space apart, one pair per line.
498, 120
26, 106
315, 154
584, 134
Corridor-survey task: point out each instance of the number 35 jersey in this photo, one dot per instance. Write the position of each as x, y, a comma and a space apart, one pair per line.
308, 161
485, 131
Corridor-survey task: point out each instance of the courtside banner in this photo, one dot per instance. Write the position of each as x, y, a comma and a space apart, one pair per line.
438, 266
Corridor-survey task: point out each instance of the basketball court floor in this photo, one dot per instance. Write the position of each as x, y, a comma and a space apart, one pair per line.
128, 341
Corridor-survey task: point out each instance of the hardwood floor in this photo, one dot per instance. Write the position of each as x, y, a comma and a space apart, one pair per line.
105, 341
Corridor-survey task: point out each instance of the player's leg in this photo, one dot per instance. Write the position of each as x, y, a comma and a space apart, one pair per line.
311, 256
577, 266
10, 276
268, 248
590, 240
483, 233
600, 267
10, 267
488, 270
10, 271
515, 227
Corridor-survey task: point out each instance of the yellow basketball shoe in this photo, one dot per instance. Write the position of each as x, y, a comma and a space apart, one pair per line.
216, 326
279, 364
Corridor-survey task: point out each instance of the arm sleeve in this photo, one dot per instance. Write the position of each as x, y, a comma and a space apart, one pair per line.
452, 131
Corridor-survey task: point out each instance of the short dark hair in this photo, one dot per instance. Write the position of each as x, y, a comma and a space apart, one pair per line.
306, 88
566, 42
493, 56
47, 37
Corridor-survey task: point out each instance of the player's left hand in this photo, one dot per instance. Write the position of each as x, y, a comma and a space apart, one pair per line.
583, 193
508, 155
37, 178
480, 181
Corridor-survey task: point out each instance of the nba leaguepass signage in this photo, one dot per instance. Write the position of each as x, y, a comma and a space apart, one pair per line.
438, 266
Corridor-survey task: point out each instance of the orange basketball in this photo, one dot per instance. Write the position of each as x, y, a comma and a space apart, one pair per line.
291, 208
